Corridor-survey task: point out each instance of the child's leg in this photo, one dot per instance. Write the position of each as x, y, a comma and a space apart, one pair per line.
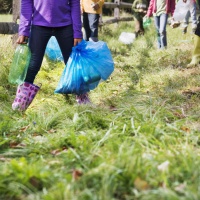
157, 25
93, 23
65, 38
193, 17
186, 22
37, 43
86, 26
138, 18
162, 30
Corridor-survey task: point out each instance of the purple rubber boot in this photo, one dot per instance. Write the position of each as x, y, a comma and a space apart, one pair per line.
83, 99
24, 96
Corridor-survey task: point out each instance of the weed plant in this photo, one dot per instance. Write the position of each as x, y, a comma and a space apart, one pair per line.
139, 140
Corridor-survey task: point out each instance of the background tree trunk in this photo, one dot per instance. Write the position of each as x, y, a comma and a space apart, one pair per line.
16, 15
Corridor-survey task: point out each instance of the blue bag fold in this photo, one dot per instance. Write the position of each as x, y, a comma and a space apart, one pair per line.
53, 51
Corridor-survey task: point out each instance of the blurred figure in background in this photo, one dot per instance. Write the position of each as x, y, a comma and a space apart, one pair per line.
191, 13
91, 10
161, 9
139, 8
196, 51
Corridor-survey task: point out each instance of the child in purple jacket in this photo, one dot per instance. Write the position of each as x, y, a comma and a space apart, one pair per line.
39, 20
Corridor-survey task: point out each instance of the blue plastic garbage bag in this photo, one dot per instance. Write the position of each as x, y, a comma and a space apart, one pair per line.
53, 51
89, 63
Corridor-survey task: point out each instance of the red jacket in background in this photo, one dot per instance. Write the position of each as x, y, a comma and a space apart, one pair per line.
169, 9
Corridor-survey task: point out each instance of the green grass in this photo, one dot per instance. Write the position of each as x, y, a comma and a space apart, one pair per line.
138, 141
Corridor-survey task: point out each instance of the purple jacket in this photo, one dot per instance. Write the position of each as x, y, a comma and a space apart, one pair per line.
50, 13
152, 7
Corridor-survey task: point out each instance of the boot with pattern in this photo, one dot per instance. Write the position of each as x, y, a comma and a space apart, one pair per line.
24, 96
83, 99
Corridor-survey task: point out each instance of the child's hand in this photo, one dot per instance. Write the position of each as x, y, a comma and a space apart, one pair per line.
142, 10
22, 39
77, 40
95, 6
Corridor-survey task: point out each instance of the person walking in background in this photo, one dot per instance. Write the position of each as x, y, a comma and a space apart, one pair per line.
198, 4
191, 13
139, 8
91, 10
196, 51
39, 20
161, 9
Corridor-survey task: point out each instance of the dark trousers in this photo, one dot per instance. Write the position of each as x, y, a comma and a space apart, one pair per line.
90, 24
138, 18
38, 40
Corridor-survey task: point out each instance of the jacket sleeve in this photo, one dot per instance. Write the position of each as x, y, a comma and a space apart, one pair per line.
150, 8
172, 7
100, 2
25, 17
81, 3
76, 18
134, 5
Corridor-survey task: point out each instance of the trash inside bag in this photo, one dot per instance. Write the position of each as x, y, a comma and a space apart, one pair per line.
88, 65
53, 51
146, 22
127, 38
20, 63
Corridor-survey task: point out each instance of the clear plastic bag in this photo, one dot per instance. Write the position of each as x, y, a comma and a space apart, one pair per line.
53, 51
89, 63
181, 9
20, 63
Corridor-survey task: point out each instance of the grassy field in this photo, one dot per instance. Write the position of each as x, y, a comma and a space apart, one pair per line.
139, 140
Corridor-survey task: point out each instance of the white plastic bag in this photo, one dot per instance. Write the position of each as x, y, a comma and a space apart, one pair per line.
181, 9
127, 38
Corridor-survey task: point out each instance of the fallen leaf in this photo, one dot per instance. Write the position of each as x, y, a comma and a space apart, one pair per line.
16, 145
23, 129
192, 91
52, 131
186, 129
112, 108
76, 174
141, 184
56, 152
179, 115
